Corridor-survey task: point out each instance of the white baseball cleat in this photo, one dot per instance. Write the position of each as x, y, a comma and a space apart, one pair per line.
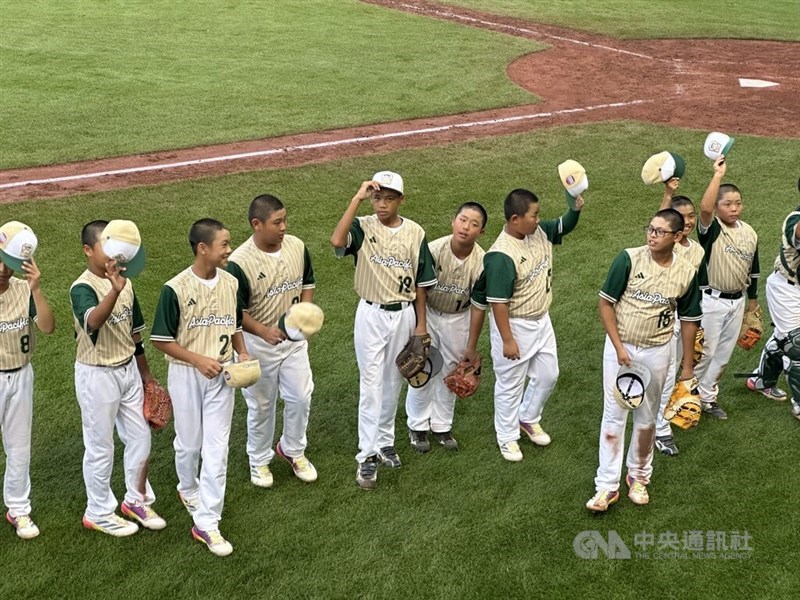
511, 451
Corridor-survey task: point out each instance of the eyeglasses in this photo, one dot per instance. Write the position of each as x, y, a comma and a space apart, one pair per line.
659, 233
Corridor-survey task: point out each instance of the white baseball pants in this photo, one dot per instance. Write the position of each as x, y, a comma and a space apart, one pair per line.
783, 301
109, 395
203, 410
379, 337
285, 369
432, 406
612, 428
16, 416
722, 320
538, 361
663, 428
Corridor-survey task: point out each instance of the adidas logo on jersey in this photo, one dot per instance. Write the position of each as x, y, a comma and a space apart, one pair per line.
191, 302
261, 275
373, 240
640, 275
522, 260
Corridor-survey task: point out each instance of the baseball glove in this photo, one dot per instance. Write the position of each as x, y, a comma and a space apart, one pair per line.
157, 406
464, 380
683, 408
412, 357
699, 342
752, 328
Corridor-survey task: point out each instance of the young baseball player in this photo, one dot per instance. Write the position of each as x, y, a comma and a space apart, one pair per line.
458, 261
21, 301
643, 289
693, 252
274, 271
731, 256
394, 268
108, 383
782, 350
516, 283
198, 325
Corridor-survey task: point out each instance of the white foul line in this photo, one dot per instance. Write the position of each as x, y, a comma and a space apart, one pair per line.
453, 15
331, 144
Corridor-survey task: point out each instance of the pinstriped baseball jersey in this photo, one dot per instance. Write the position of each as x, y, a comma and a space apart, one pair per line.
645, 296
390, 262
200, 318
788, 260
17, 338
731, 255
270, 283
112, 344
529, 264
454, 277
693, 253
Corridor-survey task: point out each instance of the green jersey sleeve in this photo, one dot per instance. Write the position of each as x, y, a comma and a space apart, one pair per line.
138, 318
84, 298
168, 315
498, 268
689, 305
243, 295
308, 271
355, 238
478, 297
426, 270
556, 229
617, 279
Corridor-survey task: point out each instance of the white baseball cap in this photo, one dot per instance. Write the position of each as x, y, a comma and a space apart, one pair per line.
631, 384
717, 144
122, 242
389, 180
17, 244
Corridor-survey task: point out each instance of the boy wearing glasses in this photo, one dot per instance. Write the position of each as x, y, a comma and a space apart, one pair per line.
643, 289
731, 257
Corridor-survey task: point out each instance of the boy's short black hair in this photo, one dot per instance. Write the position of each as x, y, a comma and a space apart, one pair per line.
679, 201
726, 188
475, 206
673, 217
263, 206
91, 232
204, 231
517, 202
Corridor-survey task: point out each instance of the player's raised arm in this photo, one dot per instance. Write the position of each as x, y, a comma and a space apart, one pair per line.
45, 320
670, 187
709, 201
339, 235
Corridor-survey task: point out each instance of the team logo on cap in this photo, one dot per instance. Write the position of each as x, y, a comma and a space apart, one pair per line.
3, 238
715, 146
570, 180
386, 178
25, 251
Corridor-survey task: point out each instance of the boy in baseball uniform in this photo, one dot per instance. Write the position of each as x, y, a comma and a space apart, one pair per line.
458, 261
782, 350
274, 271
516, 283
394, 269
198, 325
643, 289
731, 257
693, 252
21, 302
110, 370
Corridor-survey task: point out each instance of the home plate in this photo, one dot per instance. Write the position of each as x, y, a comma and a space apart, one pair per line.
756, 83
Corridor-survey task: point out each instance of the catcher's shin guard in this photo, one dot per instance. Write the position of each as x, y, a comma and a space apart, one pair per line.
793, 379
771, 363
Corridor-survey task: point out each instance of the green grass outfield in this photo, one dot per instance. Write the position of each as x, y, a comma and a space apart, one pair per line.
88, 79
462, 525
746, 19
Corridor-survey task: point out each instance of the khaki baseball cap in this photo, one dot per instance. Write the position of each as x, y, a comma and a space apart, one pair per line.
242, 374
574, 178
301, 321
122, 242
17, 244
662, 167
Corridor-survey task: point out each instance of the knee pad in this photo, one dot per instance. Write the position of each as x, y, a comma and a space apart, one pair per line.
790, 345
793, 379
